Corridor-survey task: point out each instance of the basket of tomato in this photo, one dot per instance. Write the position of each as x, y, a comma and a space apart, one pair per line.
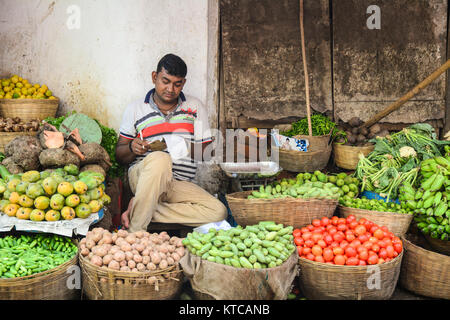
346, 258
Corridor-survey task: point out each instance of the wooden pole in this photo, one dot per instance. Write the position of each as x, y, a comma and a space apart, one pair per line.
302, 33
397, 104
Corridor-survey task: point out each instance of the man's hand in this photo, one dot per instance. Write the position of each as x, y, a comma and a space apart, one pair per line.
125, 218
139, 146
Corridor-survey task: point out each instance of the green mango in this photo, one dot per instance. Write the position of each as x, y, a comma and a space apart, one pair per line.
71, 169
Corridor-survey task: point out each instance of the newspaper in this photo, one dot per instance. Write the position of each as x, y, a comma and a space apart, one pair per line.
66, 228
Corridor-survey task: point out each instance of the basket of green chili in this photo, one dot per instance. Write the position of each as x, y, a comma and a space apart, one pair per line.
319, 150
35, 267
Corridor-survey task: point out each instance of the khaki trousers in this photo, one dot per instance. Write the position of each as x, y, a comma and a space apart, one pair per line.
160, 198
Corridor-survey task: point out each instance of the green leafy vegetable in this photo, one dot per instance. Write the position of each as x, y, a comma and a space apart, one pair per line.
320, 125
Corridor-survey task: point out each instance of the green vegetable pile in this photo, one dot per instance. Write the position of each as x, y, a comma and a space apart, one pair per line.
307, 185
373, 204
30, 254
109, 142
431, 200
320, 125
265, 245
396, 159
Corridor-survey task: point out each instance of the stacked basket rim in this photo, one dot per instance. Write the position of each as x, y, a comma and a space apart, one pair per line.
397, 223
101, 283
294, 212
29, 109
347, 157
316, 158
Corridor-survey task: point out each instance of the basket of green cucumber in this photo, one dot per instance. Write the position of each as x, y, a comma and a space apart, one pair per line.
37, 267
294, 202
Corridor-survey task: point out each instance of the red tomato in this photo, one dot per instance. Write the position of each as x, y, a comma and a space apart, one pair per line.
304, 230
379, 234
387, 241
328, 254
339, 260
352, 261
360, 230
368, 224
309, 243
342, 227
307, 235
391, 235
342, 221
350, 252
367, 245
319, 259
387, 259
352, 225
322, 243
398, 247
371, 253
396, 240
362, 263
380, 261
373, 239
363, 255
338, 251
363, 238
310, 256
306, 250
390, 251
351, 218
334, 244
319, 229
382, 243
359, 248
316, 250
372, 259
297, 233
384, 228
373, 228
325, 221
310, 227
332, 231
299, 250
362, 221
328, 239
355, 243
338, 237
383, 253
334, 220
316, 222
316, 237
375, 247
343, 244
299, 241
350, 237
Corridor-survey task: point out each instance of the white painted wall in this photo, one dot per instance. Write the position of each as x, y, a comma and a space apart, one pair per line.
107, 63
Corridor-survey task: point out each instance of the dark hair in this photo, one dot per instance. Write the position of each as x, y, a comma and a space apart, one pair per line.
174, 65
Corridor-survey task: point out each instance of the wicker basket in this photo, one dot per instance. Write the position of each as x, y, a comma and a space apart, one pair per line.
28, 109
439, 245
316, 158
325, 281
7, 137
47, 285
288, 211
347, 157
106, 284
397, 223
425, 272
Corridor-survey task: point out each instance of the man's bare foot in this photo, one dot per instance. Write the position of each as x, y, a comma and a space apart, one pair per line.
125, 216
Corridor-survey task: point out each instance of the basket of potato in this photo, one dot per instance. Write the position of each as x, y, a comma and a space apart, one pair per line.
130, 266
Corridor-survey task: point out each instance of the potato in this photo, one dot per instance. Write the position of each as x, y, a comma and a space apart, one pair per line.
151, 280
139, 247
163, 248
145, 252
139, 234
84, 252
128, 256
180, 243
100, 251
175, 256
98, 261
163, 264
114, 249
132, 264
131, 238
180, 251
155, 258
119, 256
137, 258
107, 238
90, 244
83, 241
151, 266
162, 255
125, 247
114, 237
107, 259
140, 267
107, 246
146, 234
119, 281
166, 275
146, 260
134, 251
375, 129
102, 279
123, 263
170, 261
364, 131
173, 240
171, 248
125, 268
122, 233
134, 270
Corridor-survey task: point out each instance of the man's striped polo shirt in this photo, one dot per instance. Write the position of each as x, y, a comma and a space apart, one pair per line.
189, 120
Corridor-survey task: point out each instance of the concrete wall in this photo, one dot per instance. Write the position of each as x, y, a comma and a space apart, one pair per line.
107, 63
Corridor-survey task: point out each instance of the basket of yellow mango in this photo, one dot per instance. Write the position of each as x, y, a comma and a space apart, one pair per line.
20, 98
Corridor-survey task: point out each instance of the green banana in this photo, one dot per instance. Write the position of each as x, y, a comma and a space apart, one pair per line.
428, 203
427, 194
437, 199
428, 182
442, 161
438, 182
418, 194
440, 209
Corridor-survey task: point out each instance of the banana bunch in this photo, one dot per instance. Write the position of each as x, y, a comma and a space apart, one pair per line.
431, 201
